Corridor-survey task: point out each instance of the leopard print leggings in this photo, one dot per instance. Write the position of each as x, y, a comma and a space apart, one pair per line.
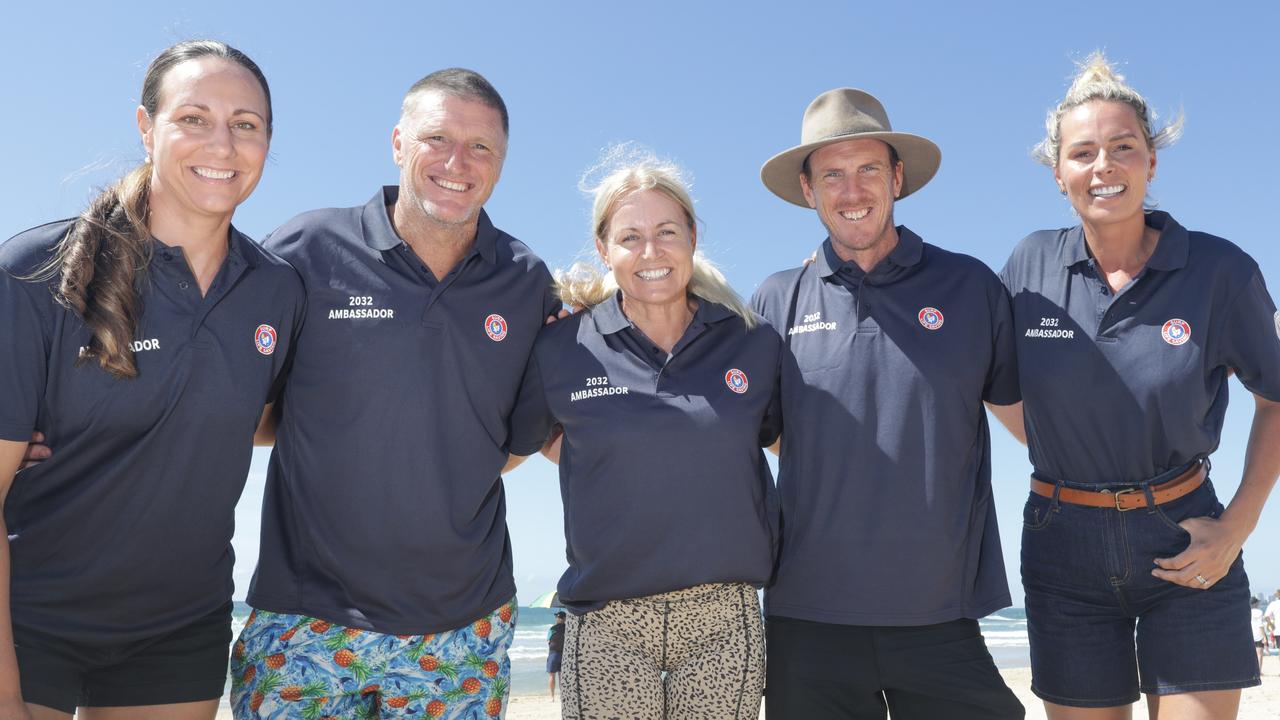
693, 654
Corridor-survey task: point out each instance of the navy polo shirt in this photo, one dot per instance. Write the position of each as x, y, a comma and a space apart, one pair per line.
125, 533
663, 479
885, 475
384, 509
1121, 387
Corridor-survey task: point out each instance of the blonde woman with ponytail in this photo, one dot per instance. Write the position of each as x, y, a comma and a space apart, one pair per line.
145, 338
1128, 327
665, 385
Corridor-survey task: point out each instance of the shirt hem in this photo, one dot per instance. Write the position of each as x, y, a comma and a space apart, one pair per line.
15, 433
834, 617
343, 616
525, 451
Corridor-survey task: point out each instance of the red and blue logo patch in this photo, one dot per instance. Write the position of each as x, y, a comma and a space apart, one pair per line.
930, 318
265, 339
1176, 331
495, 326
736, 380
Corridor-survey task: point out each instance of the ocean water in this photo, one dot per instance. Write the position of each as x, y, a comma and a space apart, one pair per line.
1005, 632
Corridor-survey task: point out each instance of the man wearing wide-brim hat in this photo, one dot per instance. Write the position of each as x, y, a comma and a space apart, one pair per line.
890, 552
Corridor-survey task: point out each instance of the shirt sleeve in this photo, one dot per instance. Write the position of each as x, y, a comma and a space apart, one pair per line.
1250, 339
1001, 387
531, 419
1006, 275
25, 355
551, 304
295, 331
761, 306
771, 426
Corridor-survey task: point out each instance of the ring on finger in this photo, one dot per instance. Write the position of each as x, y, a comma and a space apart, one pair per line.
1200, 579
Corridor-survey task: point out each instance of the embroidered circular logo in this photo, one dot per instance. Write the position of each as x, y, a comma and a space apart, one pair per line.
495, 326
930, 318
1176, 332
736, 380
265, 338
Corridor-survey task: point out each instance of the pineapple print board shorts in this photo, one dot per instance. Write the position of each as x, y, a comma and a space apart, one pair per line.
693, 653
290, 666
185, 665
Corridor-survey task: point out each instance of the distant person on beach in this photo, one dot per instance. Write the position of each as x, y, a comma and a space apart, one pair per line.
890, 552
143, 340
1128, 326
665, 387
1258, 620
1272, 614
384, 585
555, 651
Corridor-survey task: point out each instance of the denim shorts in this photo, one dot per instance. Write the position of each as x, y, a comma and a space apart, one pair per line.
1089, 589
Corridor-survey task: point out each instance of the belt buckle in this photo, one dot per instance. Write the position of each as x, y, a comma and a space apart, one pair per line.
1121, 493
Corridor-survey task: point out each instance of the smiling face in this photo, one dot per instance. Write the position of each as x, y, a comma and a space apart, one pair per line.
450, 151
1104, 164
207, 139
649, 242
853, 188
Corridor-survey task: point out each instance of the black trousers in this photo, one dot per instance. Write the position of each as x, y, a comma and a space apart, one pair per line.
817, 671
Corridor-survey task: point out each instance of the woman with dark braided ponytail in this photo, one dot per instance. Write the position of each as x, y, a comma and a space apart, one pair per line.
144, 339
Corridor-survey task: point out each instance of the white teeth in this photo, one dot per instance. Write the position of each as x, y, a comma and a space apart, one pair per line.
858, 215
654, 274
1106, 190
214, 174
458, 187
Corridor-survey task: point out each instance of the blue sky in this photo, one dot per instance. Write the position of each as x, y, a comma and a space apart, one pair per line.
717, 86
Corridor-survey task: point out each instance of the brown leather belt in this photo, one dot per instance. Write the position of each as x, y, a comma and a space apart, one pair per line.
1131, 498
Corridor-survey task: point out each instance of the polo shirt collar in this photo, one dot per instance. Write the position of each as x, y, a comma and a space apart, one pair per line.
609, 318
905, 254
380, 235
909, 250
238, 251
827, 262
1173, 246
709, 312
1170, 253
1073, 250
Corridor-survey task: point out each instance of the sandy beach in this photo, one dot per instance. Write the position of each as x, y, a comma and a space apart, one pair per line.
1257, 703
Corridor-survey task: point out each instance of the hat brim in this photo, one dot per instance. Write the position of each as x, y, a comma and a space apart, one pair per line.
920, 160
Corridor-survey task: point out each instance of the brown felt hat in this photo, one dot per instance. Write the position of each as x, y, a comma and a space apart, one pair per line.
848, 114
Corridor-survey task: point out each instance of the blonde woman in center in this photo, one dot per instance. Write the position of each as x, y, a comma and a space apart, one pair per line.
665, 385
